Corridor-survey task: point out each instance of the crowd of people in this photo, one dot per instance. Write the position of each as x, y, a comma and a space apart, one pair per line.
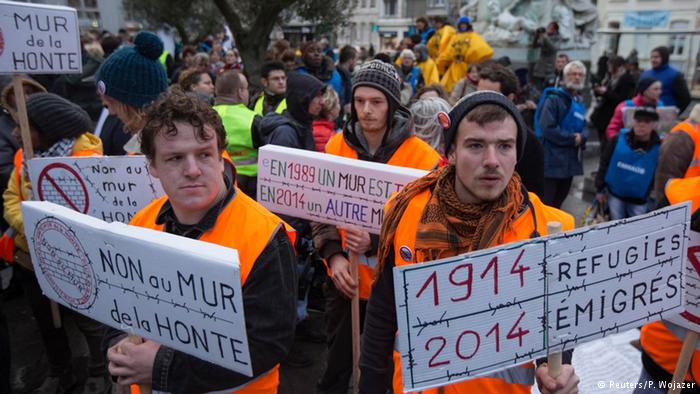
501, 157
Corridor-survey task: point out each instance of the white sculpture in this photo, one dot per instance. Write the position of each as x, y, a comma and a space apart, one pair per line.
506, 28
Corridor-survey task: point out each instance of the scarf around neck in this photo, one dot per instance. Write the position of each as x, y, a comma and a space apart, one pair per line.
449, 227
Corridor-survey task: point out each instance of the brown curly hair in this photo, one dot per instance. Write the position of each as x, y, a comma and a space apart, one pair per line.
177, 106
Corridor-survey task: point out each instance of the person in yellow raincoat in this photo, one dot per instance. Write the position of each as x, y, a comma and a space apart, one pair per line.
466, 47
426, 64
439, 41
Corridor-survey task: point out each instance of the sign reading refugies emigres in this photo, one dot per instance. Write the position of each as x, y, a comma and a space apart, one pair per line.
176, 291
110, 188
690, 317
327, 188
479, 313
39, 39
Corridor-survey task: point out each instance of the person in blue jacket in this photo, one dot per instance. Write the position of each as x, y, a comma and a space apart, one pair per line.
675, 89
626, 172
320, 66
560, 124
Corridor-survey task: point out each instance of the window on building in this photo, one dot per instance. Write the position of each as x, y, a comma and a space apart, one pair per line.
437, 3
372, 3
74, 3
363, 4
676, 42
90, 3
390, 7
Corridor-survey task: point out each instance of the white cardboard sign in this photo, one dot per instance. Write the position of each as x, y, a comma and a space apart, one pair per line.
493, 309
39, 39
690, 318
328, 188
110, 188
176, 291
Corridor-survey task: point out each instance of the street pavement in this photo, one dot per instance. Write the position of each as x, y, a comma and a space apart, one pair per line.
29, 364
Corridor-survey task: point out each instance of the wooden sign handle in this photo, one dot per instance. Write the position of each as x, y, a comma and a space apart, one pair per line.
554, 359
355, 308
28, 150
143, 388
689, 344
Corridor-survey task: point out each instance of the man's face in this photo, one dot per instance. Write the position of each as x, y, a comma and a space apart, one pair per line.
407, 61
653, 92
655, 59
190, 170
484, 157
316, 104
487, 84
575, 78
643, 128
560, 63
372, 109
551, 29
189, 59
276, 82
312, 56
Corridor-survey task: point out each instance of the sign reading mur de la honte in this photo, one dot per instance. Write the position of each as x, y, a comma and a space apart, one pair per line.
39, 39
176, 291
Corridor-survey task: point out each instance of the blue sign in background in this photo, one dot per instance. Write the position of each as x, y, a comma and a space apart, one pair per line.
646, 19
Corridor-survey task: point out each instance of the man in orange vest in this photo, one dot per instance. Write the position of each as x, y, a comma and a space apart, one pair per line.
379, 130
474, 202
183, 141
679, 156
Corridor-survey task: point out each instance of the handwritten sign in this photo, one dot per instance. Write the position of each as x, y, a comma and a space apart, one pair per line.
108, 188
176, 291
690, 317
489, 310
327, 188
39, 39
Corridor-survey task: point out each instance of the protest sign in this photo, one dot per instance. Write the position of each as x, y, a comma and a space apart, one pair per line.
39, 39
327, 188
668, 118
176, 291
485, 311
690, 317
110, 188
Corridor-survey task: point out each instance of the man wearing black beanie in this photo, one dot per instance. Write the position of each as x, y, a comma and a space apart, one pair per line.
379, 130
475, 202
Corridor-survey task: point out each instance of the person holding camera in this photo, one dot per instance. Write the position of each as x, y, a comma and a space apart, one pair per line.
547, 40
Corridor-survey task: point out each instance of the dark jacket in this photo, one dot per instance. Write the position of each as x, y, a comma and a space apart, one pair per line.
561, 155
674, 88
616, 93
326, 237
81, 89
269, 295
293, 128
114, 137
530, 167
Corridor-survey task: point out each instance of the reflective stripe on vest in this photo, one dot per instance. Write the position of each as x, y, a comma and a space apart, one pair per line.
260, 108
693, 130
261, 226
513, 380
685, 189
412, 153
238, 122
631, 172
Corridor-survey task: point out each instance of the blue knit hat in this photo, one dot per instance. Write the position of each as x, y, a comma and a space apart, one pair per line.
133, 74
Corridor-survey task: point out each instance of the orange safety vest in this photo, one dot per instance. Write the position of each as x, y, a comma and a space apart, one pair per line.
693, 130
685, 189
412, 153
7, 241
513, 380
261, 225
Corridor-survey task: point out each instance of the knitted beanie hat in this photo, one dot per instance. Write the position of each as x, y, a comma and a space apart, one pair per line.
133, 74
475, 99
645, 83
55, 118
379, 75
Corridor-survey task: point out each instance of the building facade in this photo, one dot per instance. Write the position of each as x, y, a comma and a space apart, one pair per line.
641, 25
